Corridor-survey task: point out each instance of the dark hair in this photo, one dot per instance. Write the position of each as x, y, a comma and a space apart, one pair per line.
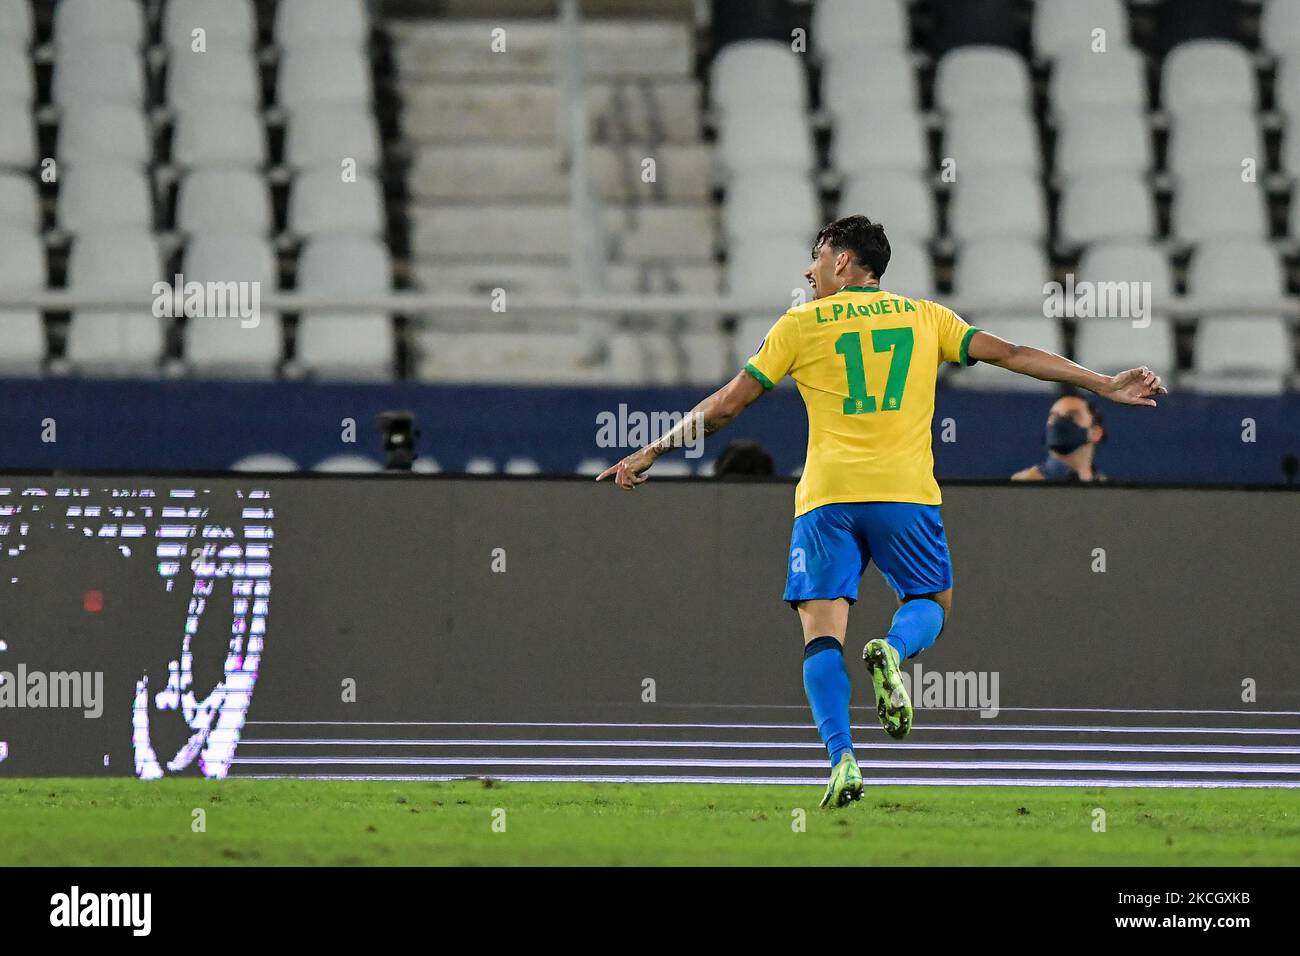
742, 457
860, 236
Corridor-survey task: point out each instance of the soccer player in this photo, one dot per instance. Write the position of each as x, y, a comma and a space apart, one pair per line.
866, 362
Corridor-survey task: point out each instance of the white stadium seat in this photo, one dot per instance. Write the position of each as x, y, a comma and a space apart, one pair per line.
1001, 137
1236, 268
507, 357
769, 269
1279, 27
96, 132
217, 76
99, 74
1114, 78
306, 22
16, 22
84, 23
324, 73
895, 138
98, 194
910, 271
321, 203
22, 331
224, 200
125, 262
764, 72
1216, 203
1068, 26
19, 202
1286, 85
1106, 204
1007, 272
853, 87
324, 135
348, 464
1214, 138
764, 203
354, 345
980, 77
18, 146
1039, 332
17, 82
1109, 345
219, 134
1130, 261
990, 204
900, 200
1242, 355
1103, 137
771, 140
848, 28
269, 461
227, 24
1208, 73
224, 345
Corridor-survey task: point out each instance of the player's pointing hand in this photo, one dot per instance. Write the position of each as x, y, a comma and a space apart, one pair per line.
631, 471
1137, 386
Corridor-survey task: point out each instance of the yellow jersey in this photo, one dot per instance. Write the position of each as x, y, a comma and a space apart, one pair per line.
866, 362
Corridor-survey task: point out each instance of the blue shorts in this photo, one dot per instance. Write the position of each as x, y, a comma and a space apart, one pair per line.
831, 547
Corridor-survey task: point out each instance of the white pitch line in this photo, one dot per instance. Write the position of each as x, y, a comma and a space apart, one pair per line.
1095, 783
1059, 765
778, 745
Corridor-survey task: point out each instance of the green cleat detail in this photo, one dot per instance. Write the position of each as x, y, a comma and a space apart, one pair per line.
845, 784
893, 706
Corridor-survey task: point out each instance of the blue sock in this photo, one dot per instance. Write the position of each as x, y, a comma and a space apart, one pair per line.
826, 683
915, 627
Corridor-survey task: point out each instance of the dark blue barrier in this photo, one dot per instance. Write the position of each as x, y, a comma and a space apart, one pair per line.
187, 425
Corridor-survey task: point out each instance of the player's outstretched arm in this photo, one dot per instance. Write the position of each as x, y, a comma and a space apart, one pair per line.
1136, 386
717, 411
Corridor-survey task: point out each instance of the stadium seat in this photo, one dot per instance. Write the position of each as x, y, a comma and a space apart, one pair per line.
18, 145
746, 143
22, 331
852, 87
902, 201
108, 343
222, 345
17, 83
1286, 84
852, 27
307, 22
325, 135
323, 73
1130, 262
16, 22
1067, 26
320, 202
1216, 203
1214, 138
979, 77
218, 134
766, 203
989, 204
1106, 205
697, 358
269, 461
219, 76
1279, 27
1001, 138
1039, 332
1236, 269
99, 194
1291, 148
224, 200
910, 271
19, 202
508, 357
228, 24
1208, 73
755, 72
1116, 78
1253, 356
1008, 273
1109, 345
87, 23
1103, 137
769, 269
360, 345
113, 132
894, 139
99, 74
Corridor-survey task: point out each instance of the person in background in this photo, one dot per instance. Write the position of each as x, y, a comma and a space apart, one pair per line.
1074, 430
744, 458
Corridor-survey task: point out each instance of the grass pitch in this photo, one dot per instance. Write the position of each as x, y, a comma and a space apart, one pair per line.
306, 822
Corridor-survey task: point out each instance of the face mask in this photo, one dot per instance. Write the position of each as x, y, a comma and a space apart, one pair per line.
1064, 436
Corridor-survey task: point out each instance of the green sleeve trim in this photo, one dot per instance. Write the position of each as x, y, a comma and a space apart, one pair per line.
762, 379
964, 358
